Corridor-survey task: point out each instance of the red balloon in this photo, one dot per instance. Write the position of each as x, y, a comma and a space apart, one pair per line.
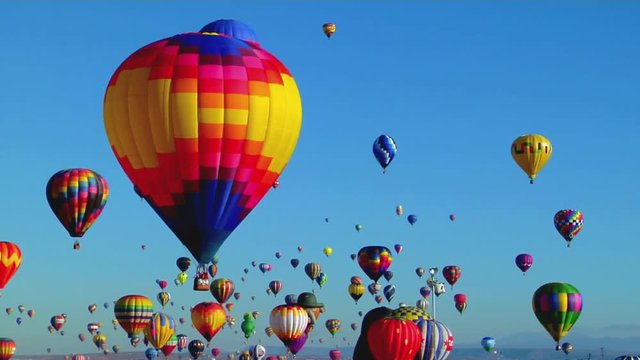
451, 273
335, 354
394, 339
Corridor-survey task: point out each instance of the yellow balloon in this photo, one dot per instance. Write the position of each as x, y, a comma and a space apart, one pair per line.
531, 152
328, 251
159, 330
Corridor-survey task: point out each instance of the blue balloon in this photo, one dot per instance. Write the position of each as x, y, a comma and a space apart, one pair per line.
291, 299
295, 263
151, 353
384, 149
488, 343
231, 28
412, 219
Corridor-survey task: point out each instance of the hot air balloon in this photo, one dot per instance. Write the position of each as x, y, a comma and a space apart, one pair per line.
160, 330
438, 340
100, 341
295, 263
9, 310
58, 321
115, 348
389, 291
451, 273
247, 325
327, 251
398, 248
321, 279
488, 343
328, 29
264, 267
275, 286
222, 289
557, 306
412, 219
333, 326
22, 308
312, 270
420, 271
452, 217
31, 313
374, 261
374, 288
359, 227
524, 262
183, 263
295, 346
7, 348
92, 308
234, 122
18, 320
278, 254
384, 150
170, 345
378, 298
566, 348
568, 222
399, 210
10, 260
151, 353
354, 326
289, 323
394, 338
133, 313
208, 318
213, 270
388, 275
422, 304
164, 298
258, 351
182, 341
77, 357
425, 292
335, 354
269, 331
531, 152
460, 301
77, 197
356, 291
93, 328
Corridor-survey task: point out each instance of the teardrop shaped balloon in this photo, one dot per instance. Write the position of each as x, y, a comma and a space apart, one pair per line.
460, 301
452, 274
7, 348
557, 306
524, 262
531, 152
384, 150
488, 343
133, 313
159, 330
196, 348
289, 323
329, 29
77, 197
208, 318
10, 261
568, 222
203, 123
222, 289
389, 291
374, 261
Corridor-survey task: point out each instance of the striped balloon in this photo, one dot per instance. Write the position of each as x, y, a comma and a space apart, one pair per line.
160, 330
394, 338
182, 341
374, 261
77, 197
524, 262
78, 357
312, 270
208, 318
438, 340
10, 261
221, 289
203, 123
133, 313
288, 322
7, 348
568, 222
557, 306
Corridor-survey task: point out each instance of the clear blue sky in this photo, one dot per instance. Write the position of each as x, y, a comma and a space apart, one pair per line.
453, 82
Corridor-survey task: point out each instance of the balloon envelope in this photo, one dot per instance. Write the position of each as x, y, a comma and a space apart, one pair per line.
557, 306
531, 152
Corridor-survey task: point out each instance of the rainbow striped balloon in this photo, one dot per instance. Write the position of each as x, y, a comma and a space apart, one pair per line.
10, 260
7, 348
133, 313
374, 261
77, 197
203, 123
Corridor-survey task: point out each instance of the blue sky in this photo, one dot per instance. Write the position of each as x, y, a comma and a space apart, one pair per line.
453, 82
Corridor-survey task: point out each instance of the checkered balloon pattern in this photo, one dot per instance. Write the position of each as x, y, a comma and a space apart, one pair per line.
568, 222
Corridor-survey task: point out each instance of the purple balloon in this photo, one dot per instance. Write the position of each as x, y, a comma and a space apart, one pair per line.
524, 262
298, 344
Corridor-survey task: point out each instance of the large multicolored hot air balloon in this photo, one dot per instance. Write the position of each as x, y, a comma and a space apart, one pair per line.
7, 348
374, 261
160, 330
77, 197
10, 261
289, 323
133, 313
557, 306
203, 124
208, 318
524, 262
568, 222
328, 29
531, 152
384, 149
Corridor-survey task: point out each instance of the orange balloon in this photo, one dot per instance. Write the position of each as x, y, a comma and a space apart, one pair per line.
10, 260
208, 317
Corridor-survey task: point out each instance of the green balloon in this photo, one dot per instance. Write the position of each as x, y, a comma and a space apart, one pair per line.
557, 306
248, 326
